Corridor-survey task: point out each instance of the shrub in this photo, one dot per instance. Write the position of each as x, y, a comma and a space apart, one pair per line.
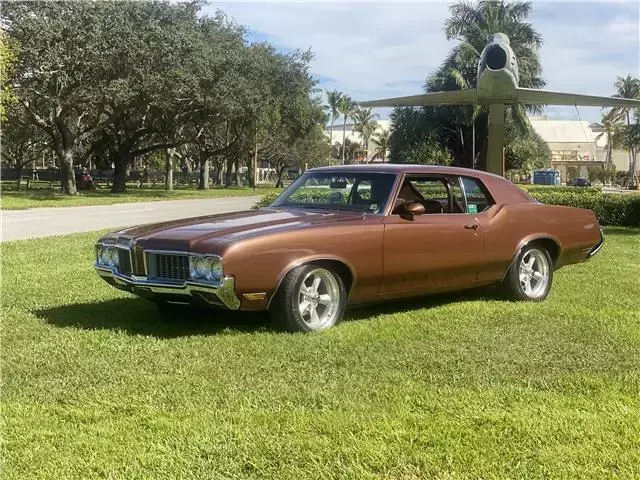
266, 200
611, 209
554, 188
308, 195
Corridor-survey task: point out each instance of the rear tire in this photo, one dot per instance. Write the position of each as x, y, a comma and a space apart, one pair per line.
530, 277
311, 298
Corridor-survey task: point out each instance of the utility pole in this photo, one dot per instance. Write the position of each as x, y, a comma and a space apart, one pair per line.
255, 163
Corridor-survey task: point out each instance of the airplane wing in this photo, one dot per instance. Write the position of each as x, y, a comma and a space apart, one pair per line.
544, 97
454, 97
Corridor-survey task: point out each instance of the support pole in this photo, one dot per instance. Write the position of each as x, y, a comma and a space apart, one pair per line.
255, 163
495, 144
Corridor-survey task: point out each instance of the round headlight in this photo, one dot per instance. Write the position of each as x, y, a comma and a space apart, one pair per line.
114, 256
216, 269
105, 257
202, 268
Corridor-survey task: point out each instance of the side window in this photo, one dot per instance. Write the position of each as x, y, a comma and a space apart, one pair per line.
431, 190
478, 200
438, 194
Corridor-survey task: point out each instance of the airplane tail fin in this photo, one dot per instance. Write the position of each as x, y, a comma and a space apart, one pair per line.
543, 97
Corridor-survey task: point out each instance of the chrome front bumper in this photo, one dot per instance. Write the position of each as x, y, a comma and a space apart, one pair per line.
220, 295
597, 246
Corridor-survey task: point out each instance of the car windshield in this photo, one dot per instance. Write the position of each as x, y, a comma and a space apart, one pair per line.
366, 192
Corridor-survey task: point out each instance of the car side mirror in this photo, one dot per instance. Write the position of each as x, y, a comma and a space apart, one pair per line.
411, 209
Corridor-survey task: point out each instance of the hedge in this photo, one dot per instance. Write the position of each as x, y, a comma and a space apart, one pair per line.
266, 200
610, 208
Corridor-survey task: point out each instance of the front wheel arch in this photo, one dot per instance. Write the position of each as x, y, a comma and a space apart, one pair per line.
339, 266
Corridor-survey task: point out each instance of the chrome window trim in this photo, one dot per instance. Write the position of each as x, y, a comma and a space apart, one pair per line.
287, 191
484, 212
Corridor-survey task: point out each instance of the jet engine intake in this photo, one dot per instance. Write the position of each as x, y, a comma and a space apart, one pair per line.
496, 57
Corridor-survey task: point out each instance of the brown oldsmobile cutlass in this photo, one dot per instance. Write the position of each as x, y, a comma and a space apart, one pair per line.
354, 234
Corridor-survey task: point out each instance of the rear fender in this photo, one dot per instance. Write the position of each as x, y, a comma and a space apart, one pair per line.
531, 239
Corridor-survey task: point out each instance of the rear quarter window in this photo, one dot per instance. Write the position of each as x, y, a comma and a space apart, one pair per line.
478, 197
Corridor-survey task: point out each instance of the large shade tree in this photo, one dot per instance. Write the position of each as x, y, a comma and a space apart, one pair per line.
68, 69
123, 80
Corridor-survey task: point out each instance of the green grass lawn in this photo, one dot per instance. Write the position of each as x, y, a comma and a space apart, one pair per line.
14, 200
96, 385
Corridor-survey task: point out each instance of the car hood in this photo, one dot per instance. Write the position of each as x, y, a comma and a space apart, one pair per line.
211, 233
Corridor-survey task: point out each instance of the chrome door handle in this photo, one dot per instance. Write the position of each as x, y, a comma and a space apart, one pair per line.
473, 226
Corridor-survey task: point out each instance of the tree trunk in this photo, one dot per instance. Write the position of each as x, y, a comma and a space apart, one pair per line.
228, 175
344, 132
119, 184
203, 179
473, 144
331, 140
67, 177
236, 166
280, 174
168, 169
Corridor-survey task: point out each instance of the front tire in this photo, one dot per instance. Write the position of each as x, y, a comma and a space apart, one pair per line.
311, 298
531, 275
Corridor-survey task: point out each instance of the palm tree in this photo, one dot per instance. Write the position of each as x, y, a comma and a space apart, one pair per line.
365, 122
626, 87
382, 139
472, 24
334, 98
611, 129
347, 108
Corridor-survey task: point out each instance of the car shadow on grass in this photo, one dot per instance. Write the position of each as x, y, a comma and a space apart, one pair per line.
363, 312
140, 317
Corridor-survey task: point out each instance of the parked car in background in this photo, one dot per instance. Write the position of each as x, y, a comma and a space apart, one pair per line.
354, 234
579, 182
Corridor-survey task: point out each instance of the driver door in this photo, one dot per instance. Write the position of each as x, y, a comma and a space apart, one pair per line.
441, 249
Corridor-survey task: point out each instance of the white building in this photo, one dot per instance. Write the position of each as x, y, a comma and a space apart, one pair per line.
575, 143
356, 137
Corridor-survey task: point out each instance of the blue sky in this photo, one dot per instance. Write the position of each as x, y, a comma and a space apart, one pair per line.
381, 49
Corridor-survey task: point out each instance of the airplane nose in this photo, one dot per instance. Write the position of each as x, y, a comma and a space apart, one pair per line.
496, 57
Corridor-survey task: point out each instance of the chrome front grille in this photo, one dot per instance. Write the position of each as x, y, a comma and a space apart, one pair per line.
168, 267
124, 261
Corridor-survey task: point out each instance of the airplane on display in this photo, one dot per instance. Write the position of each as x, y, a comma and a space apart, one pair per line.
497, 86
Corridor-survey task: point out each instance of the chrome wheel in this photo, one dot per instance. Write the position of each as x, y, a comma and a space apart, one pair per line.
319, 299
534, 273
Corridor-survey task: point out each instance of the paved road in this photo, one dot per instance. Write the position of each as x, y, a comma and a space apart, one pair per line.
44, 222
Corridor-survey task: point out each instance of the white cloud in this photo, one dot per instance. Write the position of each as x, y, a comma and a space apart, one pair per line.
378, 49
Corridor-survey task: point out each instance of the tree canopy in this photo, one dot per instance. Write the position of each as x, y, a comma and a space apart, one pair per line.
121, 80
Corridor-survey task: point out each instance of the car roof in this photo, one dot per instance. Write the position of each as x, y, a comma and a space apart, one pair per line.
502, 190
402, 168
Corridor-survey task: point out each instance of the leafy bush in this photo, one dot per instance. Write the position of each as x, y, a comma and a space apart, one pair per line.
611, 209
308, 195
553, 188
266, 200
